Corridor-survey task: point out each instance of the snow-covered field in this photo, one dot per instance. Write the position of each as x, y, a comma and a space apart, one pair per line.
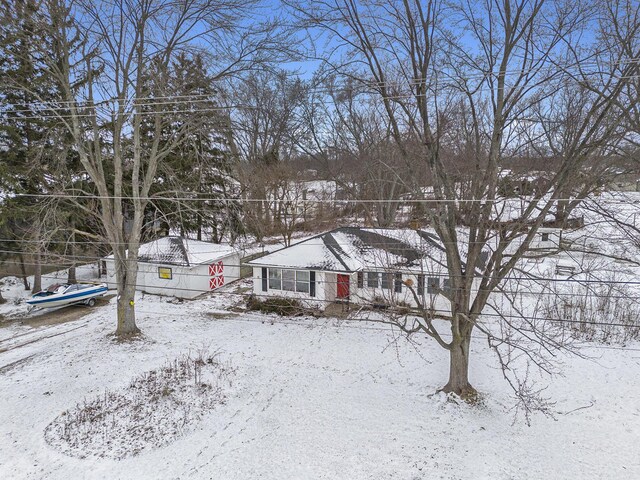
314, 398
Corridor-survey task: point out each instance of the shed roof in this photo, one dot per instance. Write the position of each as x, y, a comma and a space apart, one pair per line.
182, 251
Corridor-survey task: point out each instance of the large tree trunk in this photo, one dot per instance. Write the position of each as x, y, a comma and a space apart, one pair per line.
37, 273
23, 270
126, 279
71, 277
459, 369
126, 313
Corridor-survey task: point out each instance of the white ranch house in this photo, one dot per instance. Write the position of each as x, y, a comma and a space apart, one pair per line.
357, 265
182, 268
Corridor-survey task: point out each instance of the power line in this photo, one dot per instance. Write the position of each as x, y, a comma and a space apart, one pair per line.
342, 323
497, 201
435, 312
363, 83
390, 289
141, 113
74, 258
498, 291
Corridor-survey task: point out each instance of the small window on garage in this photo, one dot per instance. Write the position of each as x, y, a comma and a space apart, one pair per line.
545, 237
165, 273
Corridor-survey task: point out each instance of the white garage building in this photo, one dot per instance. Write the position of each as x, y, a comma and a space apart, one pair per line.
182, 268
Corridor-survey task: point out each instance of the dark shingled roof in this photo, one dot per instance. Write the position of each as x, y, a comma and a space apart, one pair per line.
175, 254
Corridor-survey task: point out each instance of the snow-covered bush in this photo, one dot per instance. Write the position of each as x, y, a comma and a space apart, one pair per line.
286, 307
153, 410
607, 312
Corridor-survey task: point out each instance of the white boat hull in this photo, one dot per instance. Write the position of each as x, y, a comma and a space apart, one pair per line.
61, 299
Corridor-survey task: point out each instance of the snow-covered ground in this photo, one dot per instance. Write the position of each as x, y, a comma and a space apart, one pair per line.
314, 398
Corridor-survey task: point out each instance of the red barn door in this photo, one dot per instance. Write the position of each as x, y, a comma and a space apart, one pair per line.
216, 274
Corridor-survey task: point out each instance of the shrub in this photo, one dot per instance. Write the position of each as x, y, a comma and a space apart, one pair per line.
156, 408
281, 306
606, 312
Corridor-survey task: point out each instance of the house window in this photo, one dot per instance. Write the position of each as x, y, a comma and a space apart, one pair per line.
433, 285
386, 281
372, 279
545, 237
446, 285
165, 273
275, 279
360, 279
420, 284
302, 281
397, 283
289, 280
292, 280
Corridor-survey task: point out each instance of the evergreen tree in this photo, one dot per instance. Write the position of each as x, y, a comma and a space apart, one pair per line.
201, 166
25, 132
36, 157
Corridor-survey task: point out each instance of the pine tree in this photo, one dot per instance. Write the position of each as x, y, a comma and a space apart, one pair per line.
25, 133
201, 167
35, 148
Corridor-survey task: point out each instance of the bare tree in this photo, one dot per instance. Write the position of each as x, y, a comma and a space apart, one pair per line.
275, 200
348, 133
101, 54
265, 128
473, 84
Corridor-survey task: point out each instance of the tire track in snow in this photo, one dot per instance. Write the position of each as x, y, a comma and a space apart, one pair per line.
43, 337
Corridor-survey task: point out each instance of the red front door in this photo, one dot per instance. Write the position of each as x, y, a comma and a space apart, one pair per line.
343, 286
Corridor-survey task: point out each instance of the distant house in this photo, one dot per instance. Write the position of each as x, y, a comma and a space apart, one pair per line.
546, 239
357, 265
301, 199
181, 268
623, 181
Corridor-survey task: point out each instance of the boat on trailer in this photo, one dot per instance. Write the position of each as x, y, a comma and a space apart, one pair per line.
59, 295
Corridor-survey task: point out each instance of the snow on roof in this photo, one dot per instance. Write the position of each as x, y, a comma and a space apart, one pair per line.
181, 251
320, 185
352, 249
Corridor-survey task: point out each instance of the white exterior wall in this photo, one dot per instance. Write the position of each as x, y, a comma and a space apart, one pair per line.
326, 288
318, 301
366, 295
330, 286
552, 242
186, 282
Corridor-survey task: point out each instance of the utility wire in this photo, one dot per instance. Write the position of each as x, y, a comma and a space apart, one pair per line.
427, 275
380, 84
497, 201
